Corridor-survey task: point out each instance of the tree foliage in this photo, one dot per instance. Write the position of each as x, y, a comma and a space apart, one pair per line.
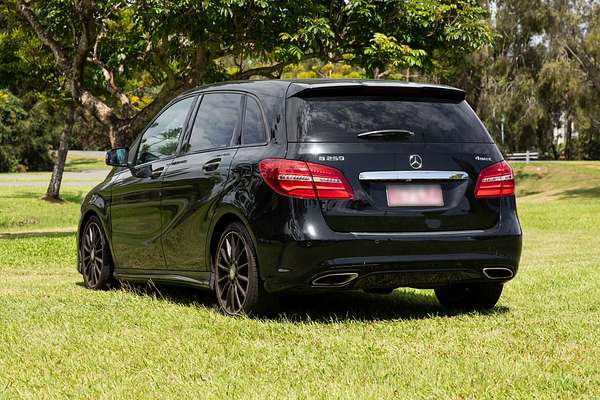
542, 73
25, 134
529, 66
122, 60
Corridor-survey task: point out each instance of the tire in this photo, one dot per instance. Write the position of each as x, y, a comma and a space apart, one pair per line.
237, 284
483, 296
95, 257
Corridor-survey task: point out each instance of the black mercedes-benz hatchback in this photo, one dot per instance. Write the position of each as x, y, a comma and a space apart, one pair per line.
260, 187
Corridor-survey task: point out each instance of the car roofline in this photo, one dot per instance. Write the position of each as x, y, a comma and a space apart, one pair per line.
320, 87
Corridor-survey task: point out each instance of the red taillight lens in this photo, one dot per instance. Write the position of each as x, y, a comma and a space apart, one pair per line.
305, 180
495, 181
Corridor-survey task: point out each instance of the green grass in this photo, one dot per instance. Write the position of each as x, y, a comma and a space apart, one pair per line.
76, 164
557, 180
59, 340
21, 209
73, 164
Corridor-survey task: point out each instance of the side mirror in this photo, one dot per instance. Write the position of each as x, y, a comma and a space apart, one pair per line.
117, 157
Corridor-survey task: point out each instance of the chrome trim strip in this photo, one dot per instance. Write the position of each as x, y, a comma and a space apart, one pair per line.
350, 276
508, 271
413, 175
162, 277
417, 234
382, 132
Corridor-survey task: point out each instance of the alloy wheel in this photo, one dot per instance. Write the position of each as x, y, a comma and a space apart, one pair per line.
232, 272
92, 252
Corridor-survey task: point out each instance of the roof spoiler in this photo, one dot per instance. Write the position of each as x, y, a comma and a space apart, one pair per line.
373, 88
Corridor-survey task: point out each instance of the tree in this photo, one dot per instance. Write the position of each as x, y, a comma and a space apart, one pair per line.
422, 35
25, 133
540, 74
582, 48
27, 69
114, 48
53, 191
121, 61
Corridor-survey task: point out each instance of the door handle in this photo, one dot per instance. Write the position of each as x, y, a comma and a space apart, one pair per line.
212, 165
156, 173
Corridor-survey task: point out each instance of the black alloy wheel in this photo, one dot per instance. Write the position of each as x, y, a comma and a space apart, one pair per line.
237, 284
95, 256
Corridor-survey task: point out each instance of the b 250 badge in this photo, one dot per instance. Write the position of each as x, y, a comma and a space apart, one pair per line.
331, 158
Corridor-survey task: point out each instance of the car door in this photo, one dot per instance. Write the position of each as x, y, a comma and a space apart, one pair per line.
195, 179
136, 193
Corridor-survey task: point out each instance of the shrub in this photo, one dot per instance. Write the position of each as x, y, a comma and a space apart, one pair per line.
25, 136
8, 161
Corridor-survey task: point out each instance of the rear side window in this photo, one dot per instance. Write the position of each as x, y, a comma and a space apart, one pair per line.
341, 119
216, 121
254, 125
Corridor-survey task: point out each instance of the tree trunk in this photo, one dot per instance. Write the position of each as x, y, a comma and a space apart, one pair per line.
115, 137
568, 138
376, 73
554, 151
53, 192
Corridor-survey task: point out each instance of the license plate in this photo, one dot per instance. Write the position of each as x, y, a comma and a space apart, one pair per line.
414, 195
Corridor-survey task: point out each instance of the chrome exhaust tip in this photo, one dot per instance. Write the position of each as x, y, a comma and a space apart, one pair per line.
334, 280
495, 273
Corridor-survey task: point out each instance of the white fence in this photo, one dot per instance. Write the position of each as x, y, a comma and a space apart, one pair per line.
526, 156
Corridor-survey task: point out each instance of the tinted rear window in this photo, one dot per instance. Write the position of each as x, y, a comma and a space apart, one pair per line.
341, 119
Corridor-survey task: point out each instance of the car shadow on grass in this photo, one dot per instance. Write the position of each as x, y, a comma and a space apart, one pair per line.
360, 306
325, 307
588, 193
76, 198
34, 234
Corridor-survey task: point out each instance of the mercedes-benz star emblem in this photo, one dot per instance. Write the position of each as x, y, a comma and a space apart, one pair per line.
415, 161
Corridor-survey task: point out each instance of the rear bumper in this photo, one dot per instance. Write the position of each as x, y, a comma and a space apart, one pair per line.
422, 260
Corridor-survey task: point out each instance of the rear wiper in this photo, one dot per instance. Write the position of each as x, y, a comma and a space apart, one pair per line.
385, 133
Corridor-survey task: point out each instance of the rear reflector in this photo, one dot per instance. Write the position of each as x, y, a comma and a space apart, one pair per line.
497, 180
305, 180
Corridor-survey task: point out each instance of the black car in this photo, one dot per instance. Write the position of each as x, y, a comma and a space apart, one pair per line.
260, 187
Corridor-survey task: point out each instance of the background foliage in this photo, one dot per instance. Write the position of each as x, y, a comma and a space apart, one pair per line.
26, 134
530, 68
542, 72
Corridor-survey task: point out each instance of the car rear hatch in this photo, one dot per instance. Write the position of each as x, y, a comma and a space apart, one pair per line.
412, 157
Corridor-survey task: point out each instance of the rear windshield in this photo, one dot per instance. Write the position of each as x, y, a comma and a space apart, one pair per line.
341, 119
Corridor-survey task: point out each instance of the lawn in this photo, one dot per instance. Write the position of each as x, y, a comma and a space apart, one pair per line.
59, 340
22, 211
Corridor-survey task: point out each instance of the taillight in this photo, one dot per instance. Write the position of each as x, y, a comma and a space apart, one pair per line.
304, 180
495, 181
